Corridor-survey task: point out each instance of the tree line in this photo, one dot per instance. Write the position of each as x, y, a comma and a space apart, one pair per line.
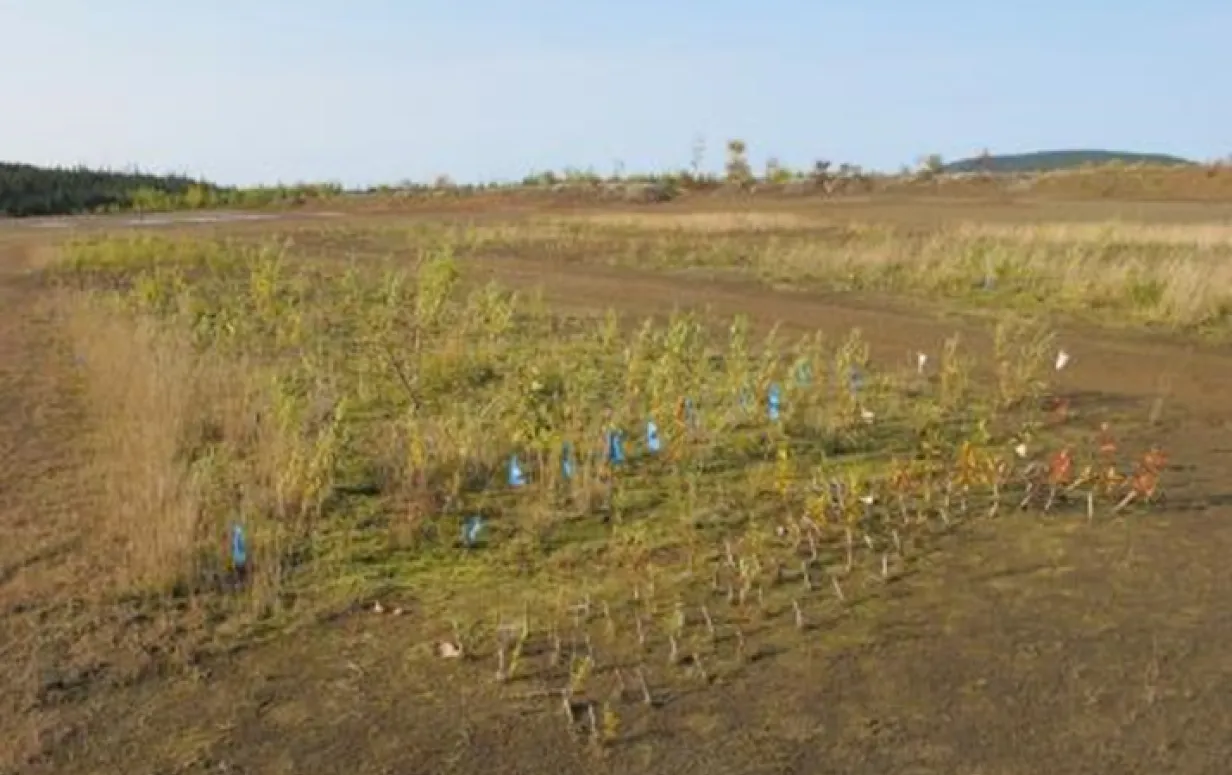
27, 190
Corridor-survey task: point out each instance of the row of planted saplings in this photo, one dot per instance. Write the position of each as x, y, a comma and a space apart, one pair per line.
616, 442
769, 574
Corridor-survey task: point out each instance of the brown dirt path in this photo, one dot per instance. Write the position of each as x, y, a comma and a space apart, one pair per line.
40, 490
1034, 647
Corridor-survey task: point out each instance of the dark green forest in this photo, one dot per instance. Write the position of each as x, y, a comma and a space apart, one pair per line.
27, 190
1049, 161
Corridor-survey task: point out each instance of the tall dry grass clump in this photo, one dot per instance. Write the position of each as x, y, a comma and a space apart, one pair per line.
144, 388
165, 420
188, 443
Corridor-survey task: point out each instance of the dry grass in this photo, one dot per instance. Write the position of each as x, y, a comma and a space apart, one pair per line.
1124, 274
1210, 182
186, 444
1193, 235
151, 391
1115, 183
722, 222
1168, 274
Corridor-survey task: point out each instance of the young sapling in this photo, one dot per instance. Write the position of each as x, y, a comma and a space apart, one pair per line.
647, 698
709, 622
611, 724
502, 674
595, 733
611, 623
557, 652
579, 673
701, 669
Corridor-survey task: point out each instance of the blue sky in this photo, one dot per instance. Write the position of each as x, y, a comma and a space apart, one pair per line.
364, 91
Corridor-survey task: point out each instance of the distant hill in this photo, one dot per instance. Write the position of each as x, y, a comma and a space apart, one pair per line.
29, 190
1048, 161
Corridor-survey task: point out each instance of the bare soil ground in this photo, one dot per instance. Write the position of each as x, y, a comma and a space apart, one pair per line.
1037, 646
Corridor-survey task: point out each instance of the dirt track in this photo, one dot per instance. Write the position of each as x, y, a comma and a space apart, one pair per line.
95, 222
1065, 648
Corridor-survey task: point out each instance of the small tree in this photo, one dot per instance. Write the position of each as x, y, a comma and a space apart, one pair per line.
821, 171
930, 166
146, 199
984, 161
738, 169
776, 172
698, 156
197, 197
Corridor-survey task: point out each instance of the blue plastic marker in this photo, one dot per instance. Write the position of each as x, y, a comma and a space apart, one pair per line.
774, 403
857, 380
471, 530
239, 547
516, 477
615, 447
567, 466
653, 442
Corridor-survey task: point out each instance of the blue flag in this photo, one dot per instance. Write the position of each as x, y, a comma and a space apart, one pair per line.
653, 442
774, 403
471, 530
516, 477
239, 547
567, 465
615, 447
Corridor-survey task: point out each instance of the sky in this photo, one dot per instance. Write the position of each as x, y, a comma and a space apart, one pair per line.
370, 91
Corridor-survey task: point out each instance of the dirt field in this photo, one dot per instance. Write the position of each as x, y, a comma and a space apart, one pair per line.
1021, 646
